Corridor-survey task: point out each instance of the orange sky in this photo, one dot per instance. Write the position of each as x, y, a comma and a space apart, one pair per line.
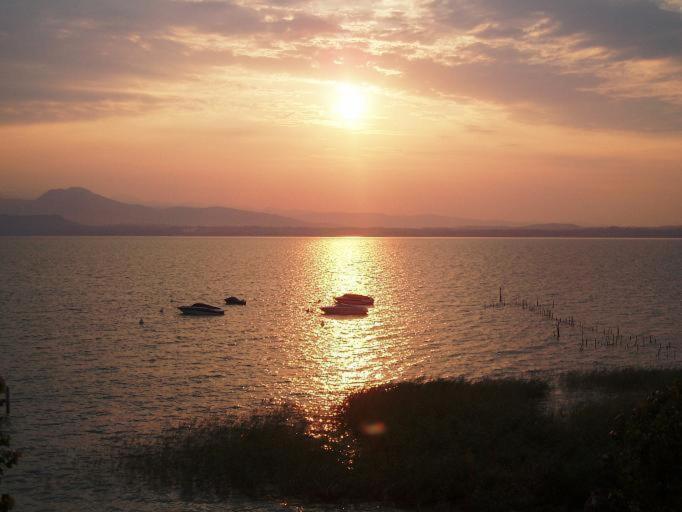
521, 110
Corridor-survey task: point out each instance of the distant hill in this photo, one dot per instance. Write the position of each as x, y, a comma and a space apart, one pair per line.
27, 225
77, 211
22, 225
381, 220
553, 227
85, 207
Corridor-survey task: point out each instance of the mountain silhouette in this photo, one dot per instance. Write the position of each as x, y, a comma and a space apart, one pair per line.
80, 205
382, 220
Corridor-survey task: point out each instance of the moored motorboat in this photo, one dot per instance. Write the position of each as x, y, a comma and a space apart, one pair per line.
355, 299
235, 301
200, 308
345, 310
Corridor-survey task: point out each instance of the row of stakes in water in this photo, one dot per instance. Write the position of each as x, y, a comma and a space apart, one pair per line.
591, 336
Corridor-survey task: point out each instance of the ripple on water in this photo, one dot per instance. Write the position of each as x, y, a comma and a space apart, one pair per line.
85, 374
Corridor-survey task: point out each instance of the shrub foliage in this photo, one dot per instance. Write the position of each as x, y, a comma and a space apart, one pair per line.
8, 457
482, 446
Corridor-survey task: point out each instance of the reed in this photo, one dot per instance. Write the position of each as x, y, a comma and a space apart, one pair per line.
622, 380
486, 446
8, 456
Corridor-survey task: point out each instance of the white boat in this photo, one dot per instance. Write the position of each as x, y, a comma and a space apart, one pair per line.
200, 308
345, 310
355, 299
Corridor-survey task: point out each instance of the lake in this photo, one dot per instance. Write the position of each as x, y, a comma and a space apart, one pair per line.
86, 375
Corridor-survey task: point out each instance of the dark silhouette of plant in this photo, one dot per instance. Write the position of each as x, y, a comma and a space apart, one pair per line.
647, 459
254, 454
8, 457
483, 446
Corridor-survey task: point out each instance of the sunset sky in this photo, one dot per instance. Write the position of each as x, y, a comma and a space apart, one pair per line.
522, 110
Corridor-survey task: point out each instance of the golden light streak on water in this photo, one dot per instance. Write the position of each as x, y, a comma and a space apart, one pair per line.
347, 353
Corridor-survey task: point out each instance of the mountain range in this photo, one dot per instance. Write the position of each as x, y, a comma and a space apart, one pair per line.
372, 220
77, 211
84, 207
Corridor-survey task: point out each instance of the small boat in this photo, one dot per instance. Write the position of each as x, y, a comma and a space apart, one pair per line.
355, 299
234, 301
199, 308
345, 310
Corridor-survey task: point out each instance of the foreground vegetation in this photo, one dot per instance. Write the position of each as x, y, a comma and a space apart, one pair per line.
488, 445
8, 457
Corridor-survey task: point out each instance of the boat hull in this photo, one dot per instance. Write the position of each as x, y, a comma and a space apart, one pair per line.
188, 310
353, 299
344, 310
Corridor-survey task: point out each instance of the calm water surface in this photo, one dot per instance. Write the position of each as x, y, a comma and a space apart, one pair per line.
86, 375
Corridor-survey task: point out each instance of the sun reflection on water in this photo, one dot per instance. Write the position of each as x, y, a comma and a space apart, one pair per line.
347, 352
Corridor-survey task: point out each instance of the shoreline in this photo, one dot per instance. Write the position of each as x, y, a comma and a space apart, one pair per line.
55, 225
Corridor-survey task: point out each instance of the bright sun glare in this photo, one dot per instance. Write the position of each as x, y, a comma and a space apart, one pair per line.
350, 104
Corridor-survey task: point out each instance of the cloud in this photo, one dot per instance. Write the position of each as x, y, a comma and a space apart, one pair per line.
59, 51
36, 104
613, 64
539, 92
631, 28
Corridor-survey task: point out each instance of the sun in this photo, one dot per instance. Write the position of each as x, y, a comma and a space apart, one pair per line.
350, 104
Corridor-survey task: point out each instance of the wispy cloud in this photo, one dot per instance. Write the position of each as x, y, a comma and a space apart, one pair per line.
613, 64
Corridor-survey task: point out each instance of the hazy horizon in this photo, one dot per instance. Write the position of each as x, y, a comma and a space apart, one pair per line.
528, 111
283, 212
335, 218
